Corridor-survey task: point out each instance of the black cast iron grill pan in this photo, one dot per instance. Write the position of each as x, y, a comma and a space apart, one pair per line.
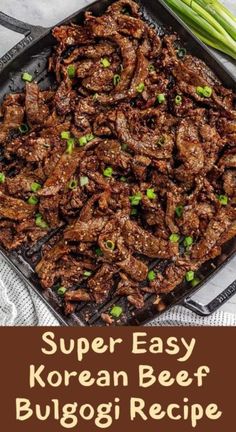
31, 54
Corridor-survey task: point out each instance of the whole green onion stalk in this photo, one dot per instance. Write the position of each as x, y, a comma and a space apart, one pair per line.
210, 21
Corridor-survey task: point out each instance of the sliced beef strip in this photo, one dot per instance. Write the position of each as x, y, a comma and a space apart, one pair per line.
14, 208
129, 288
143, 242
216, 227
13, 118
102, 282
36, 110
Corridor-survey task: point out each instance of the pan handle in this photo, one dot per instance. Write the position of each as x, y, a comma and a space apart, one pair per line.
30, 32
219, 300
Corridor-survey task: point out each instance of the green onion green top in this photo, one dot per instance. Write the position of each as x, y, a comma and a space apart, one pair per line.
71, 71
73, 184
151, 275
70, 145
23, 128
179, 210
87, 273
33, 200
140, 87
151, 67
151, 194
161, 98
107, 172
123, 179
83, 180
65, 135
178, 100
61, 291
189, 276
2, 177
223, 199
116, 79
85, 139
135, 199
27, 77
116, 311
35, 186
204, 91
105, 62
40, 222
110, 244
188, 241
174, 238
195, 281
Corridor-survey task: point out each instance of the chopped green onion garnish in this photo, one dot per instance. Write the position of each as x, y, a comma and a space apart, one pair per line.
85, 139
70, 145
73, 184
65, 135
179, 210
161, 98
123, 179
199, 91
108, 172
87, 273
140, 87
195, 281
116, 311
2, 177
105, 62
134, 212
178, 100
26, 77
151, 194
71, 71
40, 222
207, 91
174, 238
135, 199
23, 128
61, 291
151, 67
98, 252
181, 53
35, 186
204, 91
116, 79
33, 200
151, 275
82, 141
161, 141
223, 199
110, 244
83, 180
189, 276
89, 137
188, 241
95, 96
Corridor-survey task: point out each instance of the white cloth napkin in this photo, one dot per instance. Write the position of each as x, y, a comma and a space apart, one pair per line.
19, 305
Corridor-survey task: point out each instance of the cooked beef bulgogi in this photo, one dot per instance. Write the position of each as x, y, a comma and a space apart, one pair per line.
130, 159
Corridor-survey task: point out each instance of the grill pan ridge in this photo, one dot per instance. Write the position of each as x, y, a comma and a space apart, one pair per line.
31, 54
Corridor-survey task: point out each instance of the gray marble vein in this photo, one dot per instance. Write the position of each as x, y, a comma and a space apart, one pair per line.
47, 13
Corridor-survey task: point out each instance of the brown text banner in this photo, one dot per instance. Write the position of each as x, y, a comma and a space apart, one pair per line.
117, 379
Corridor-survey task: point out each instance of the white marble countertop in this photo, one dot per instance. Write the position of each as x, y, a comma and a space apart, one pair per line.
47, 13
